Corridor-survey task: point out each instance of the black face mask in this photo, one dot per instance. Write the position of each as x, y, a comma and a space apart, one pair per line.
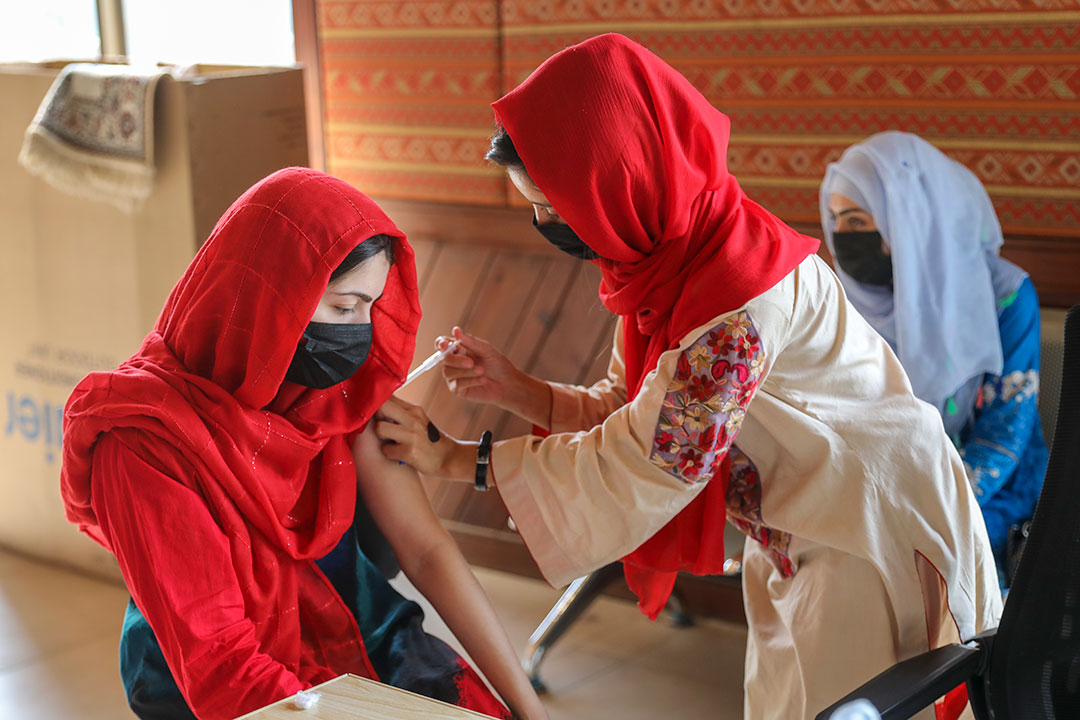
859, 254
330, 353
562, 237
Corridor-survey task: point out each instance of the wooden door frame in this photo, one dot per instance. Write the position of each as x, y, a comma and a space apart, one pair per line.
306, 39
110, 14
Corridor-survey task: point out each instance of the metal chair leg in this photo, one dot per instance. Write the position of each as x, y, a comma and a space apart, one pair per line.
675, 611
578, 596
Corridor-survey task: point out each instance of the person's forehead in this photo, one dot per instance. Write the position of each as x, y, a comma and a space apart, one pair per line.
362, 276
843, 204
527, 188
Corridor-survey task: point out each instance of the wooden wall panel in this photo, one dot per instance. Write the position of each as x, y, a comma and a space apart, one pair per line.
427, 252
456, 279
508, 288
530, 327
566, 353
497, 312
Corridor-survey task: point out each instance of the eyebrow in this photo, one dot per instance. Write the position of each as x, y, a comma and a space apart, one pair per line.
363, 296
848, 211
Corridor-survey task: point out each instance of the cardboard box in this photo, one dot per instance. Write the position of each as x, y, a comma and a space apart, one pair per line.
81, 283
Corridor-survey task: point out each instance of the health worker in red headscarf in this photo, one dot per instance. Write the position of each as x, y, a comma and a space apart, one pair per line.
221, 465
742, 386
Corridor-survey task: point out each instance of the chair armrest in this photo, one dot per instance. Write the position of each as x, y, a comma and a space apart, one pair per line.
907, 687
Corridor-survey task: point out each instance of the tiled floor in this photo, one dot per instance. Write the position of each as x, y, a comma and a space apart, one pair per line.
59, 633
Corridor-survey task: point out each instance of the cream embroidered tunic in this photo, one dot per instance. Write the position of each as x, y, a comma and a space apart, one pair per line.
847, 484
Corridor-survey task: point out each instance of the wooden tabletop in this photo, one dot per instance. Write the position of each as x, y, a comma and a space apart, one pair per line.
350, 697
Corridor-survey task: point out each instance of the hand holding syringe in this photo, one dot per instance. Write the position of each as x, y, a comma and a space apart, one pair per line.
476, 371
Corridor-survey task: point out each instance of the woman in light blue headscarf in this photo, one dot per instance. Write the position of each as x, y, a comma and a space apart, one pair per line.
916, 243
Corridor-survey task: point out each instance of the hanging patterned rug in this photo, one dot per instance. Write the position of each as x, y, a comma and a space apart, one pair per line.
93, 135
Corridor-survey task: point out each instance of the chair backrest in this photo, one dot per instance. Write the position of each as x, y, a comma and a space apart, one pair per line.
1051, 351
1035, 662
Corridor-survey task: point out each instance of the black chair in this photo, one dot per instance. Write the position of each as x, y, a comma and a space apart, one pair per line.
1029, 667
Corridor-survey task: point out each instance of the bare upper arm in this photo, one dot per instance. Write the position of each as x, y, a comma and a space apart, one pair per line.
396, 499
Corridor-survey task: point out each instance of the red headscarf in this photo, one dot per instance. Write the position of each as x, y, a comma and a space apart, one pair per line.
635, 160
206, 392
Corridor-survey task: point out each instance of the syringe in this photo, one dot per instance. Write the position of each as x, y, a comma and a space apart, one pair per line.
433, 360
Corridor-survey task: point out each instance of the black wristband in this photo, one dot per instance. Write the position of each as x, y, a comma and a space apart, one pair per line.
433, 433
483, 459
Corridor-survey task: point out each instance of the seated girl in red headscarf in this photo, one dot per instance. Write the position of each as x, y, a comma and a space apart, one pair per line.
221, 466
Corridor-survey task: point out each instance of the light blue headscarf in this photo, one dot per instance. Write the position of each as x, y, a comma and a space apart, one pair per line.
941, 317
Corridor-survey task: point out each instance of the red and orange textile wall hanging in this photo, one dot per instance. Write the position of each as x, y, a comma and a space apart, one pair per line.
993, 83
407, 88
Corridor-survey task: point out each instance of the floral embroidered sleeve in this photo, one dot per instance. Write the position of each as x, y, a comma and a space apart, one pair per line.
744, 512
714, 381
583, 499
1007, 414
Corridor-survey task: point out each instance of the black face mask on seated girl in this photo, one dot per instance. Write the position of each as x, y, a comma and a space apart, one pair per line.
330, 353
562, 237
859, 254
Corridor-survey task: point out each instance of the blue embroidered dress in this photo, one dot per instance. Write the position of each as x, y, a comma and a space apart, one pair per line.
1002, 443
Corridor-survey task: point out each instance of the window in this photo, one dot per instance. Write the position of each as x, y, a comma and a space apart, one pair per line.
49, 30
228, 32
237, 32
